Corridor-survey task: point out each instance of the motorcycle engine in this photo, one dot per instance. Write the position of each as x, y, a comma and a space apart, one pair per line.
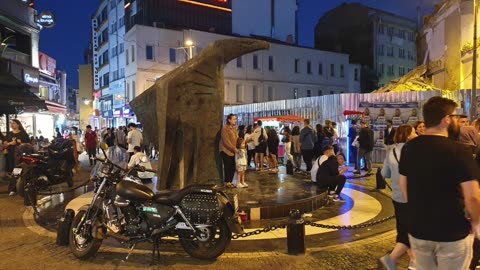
135, 223
41, 180
157, 214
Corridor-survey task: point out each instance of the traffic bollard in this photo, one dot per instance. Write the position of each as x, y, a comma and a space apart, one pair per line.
296, 233
64, 224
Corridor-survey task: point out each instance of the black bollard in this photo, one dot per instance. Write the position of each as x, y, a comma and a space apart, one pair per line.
296, 233
289, 167
64, 224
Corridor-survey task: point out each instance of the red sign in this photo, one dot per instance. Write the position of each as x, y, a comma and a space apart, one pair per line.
47, 64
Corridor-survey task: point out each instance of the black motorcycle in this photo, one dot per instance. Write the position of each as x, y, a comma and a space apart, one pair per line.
41, 172
201, 216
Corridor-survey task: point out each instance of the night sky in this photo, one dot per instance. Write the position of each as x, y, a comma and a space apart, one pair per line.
68, 39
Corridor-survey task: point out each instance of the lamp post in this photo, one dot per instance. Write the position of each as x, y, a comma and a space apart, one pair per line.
473, 99
189, 45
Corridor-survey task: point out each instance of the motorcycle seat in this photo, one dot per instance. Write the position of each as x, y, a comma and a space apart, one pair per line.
173, 197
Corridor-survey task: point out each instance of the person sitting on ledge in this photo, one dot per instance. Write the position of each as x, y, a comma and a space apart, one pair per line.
325, 173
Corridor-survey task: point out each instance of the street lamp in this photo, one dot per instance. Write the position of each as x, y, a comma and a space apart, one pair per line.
189, 44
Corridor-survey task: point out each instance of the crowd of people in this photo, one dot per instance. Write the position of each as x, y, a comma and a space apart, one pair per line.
434, 171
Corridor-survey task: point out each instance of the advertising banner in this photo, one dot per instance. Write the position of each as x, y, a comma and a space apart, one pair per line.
378, 113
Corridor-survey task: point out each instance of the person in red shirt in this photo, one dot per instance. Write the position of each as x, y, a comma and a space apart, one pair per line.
90, 140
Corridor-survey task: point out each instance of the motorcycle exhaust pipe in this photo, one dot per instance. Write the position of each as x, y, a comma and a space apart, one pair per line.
117, 236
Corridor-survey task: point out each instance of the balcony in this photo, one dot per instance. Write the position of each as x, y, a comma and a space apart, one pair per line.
16, 56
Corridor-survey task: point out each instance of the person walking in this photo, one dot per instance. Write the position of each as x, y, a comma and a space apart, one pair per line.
438, 179
366, 143
287, 140
250, 145
228, 149
307, 142
352, 135
272, 143
389, 134
134, 138
121, 138
403, 134
319, 143
296, 151
260, 138
109, 139
91, 140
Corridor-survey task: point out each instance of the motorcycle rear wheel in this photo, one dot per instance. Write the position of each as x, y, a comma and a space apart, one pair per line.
20, 185
219, 240
83, 247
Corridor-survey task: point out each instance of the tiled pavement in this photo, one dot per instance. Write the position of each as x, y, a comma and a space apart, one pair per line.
34, 248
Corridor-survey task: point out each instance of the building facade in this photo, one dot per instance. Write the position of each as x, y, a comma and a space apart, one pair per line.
445, 45
381, 42
282, 72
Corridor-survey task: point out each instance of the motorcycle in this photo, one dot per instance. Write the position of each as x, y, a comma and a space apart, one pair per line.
201, 216
41, 172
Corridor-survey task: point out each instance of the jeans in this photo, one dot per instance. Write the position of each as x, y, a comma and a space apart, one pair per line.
308, 158
362, 153
297, 160
334, 183
91, 155
432, 255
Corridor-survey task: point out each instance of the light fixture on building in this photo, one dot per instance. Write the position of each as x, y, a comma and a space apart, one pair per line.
189, 45
86, 101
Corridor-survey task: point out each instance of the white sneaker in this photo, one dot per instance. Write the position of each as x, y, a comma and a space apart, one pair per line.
239, 185
245, 185
12, 193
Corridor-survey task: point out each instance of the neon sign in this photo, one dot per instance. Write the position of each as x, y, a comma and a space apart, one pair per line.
198, 3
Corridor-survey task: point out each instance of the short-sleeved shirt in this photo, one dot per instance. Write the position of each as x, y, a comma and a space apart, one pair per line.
435, 166
136, 137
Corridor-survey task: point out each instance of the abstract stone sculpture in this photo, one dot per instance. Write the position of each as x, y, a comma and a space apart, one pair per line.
182, 114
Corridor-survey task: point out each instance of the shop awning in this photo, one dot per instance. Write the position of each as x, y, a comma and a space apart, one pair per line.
283, 118
15, 96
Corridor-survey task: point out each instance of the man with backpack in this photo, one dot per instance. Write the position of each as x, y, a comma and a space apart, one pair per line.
260, 139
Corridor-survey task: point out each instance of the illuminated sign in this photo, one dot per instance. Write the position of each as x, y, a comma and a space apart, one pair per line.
47, 64
117, 113
46, 19
200, 3
96, 78
30, 77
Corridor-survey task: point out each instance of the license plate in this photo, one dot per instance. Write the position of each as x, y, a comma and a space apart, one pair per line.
17, 171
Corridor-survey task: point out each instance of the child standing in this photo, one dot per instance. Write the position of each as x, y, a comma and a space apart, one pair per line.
241, 163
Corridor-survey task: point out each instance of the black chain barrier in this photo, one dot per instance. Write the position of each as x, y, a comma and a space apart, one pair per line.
318, 225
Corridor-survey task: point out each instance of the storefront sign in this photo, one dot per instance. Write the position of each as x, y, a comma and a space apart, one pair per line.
30, 77
47, 64
127, 111
46, 19
117, 113
96, 78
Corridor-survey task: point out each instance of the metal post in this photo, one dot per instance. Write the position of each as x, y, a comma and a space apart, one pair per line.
473, 95
190, 52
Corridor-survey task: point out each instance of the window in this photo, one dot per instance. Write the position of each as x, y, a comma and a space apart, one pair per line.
270, 63
309, 67
149, 52
112, 5
320, 93
401, 52
122, 73
309, 93
320, 69
380, 49
410, 55
270, 93
331, 92
409, 69
355, 75
390, 71
121, 21
122, 48
401, 71
106, 79
381, 29
105, 57
239, 62
126, 57
342, 71
104, 36
332, 70
390, 31
133, 53
255, 61
390, 51
297, 61
239, 93
295, 93
411, 36
127, 92
133, 89
255, 94
173, 55
401, 34
381, 69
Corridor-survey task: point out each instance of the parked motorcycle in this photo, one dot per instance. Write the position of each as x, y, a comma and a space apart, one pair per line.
41, 172
201, 216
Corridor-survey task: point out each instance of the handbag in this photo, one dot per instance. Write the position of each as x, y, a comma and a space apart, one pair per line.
355, 142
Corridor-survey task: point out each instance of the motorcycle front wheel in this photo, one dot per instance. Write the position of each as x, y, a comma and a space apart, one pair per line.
218, 237
21, 184
81, 242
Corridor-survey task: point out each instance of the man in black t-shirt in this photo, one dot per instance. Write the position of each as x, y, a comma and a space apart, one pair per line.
438, 178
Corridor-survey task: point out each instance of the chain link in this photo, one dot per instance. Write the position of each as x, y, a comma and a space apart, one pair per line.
318, 225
